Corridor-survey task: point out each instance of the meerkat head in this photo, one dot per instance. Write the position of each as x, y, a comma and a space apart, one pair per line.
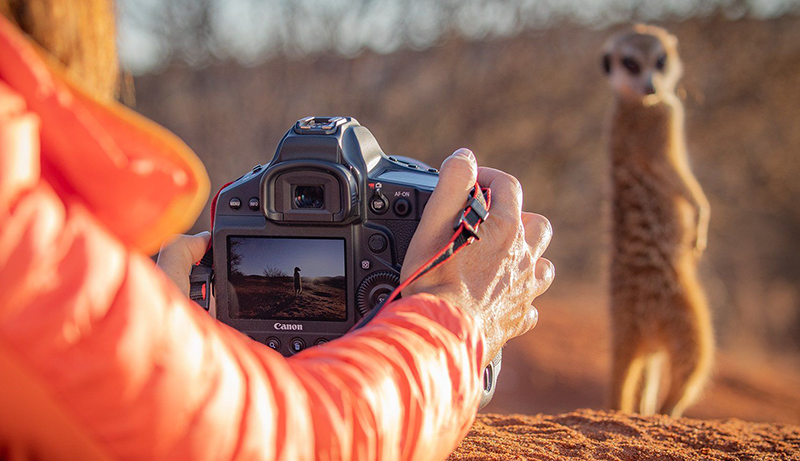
643, 64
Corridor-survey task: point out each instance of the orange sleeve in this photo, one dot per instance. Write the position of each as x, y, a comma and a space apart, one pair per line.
102, 357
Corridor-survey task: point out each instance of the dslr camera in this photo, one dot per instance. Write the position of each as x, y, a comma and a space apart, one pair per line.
307, 245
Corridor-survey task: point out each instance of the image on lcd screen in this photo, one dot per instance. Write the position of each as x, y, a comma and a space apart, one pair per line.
287, 279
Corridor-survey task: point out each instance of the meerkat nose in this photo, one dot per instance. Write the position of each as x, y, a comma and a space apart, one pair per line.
649, 88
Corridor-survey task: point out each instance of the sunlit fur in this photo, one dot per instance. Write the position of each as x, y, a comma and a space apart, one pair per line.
660, 222
644, 45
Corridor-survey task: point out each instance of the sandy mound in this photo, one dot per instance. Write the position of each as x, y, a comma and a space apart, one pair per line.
564, 364
589, 435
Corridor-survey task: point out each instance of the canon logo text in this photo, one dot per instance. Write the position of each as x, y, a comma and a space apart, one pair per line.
288, 326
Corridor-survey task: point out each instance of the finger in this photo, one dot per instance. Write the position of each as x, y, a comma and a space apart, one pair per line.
457, 177
538, 232
185, 249
529, 321
197, 245
506, 192
178, 255
544, 272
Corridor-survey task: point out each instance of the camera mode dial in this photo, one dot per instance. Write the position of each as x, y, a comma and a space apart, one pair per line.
374, 289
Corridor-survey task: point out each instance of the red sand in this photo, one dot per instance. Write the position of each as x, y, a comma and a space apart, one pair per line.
564, 365
590, 435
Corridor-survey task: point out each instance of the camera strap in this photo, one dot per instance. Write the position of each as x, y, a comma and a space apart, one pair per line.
465, 232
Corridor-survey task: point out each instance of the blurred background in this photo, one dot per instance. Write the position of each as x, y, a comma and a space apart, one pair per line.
520, 83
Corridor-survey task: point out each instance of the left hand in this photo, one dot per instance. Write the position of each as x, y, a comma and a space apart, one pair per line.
179, 254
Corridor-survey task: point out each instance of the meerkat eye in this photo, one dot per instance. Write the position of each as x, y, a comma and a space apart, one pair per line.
631, 65
661, 62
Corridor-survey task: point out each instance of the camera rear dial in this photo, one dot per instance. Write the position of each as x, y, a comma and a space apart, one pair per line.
375, 289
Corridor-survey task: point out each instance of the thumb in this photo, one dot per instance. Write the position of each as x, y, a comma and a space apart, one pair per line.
186, 249
197, 245
179, 254
458, 174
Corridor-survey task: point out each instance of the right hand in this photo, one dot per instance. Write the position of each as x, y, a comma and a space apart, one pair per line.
496, 278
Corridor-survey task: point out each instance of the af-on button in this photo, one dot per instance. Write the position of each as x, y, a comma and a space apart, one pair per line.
402, 207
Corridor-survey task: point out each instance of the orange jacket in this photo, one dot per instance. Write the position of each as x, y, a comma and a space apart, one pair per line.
101, 357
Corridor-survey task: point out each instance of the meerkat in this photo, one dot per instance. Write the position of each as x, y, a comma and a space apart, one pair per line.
298, 286
660, 228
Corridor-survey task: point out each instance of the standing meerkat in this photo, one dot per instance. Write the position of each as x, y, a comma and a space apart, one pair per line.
298, 285
660, 225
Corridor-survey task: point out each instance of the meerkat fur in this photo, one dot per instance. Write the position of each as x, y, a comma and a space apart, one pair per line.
660, 216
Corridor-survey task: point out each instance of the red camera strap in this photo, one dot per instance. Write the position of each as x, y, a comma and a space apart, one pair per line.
465, 232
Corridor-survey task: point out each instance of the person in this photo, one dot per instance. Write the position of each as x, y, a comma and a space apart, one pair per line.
101, 356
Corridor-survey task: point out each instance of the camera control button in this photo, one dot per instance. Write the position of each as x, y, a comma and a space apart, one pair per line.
321, 341
235, 203
366, 264
378, 203
402, 207
297, 345
253, 203
375, 289
273, 343
377, 243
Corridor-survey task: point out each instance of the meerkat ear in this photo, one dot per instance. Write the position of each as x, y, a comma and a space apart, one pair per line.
607, 63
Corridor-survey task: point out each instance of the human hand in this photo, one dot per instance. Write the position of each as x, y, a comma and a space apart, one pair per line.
179, 254
496, 278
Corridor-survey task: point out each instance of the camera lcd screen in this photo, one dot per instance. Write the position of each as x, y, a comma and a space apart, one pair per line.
277, 278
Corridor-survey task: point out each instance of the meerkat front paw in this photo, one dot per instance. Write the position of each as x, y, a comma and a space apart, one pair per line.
700, 242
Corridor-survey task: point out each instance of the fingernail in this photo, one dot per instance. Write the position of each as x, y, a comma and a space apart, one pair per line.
466, 153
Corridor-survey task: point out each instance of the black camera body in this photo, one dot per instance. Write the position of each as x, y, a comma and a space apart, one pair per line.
305, 246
